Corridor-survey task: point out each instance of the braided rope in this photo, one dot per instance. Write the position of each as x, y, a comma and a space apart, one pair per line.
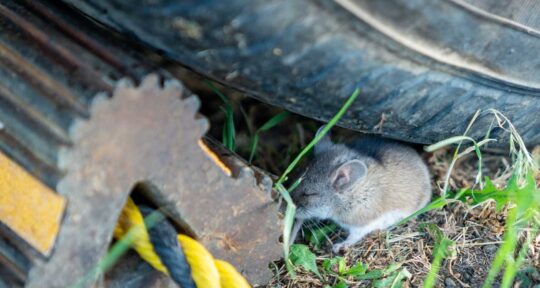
228, 276
205, 272
165, 241
131, 218
168, 256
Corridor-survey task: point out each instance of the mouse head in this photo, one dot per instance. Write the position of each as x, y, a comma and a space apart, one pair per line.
328, 181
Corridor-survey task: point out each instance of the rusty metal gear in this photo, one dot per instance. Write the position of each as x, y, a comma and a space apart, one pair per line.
150, 136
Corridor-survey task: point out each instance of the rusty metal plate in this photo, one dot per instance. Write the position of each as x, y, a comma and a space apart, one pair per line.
148, 134
28, 207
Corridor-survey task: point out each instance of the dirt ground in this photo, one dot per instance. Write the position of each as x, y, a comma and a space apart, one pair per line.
476, 231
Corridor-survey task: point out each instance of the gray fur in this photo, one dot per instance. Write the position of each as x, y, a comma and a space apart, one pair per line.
396, 180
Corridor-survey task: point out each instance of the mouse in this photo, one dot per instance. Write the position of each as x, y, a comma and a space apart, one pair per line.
368, 184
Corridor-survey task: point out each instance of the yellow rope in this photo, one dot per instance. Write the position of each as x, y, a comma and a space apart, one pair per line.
130, 218
205, 270
229, 277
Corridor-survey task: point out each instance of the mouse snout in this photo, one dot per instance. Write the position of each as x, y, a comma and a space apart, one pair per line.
306, 199
297, 197
303, 198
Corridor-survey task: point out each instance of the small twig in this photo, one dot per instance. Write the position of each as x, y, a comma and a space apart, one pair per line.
379, 126
403, 237
479, 244
450, 265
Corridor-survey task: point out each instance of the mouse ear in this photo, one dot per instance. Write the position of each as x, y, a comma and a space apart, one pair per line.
324, 143
348, 174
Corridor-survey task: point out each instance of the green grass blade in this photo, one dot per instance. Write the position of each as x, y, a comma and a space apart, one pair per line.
459, 140
442, 249
216, 90
447, 142
294, 185
288, 223
254, 143
519, 216
512, 269
400, 277
225, 135
435, 204
291, 208
506, 249
117, 250
278, 118
229, 131
266, 126
323, 132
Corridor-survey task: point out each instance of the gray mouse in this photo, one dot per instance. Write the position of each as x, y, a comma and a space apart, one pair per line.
367, 185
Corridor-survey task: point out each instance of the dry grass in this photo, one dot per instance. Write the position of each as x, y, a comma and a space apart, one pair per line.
476, 231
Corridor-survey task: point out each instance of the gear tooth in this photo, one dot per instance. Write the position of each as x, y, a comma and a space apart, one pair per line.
173, 84
75, 131
192, 103
99, 99
99, 102
264, 182
204, 125
151, 81
247, 173
124, 83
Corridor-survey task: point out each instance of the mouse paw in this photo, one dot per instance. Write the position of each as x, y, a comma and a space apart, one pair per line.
336, 248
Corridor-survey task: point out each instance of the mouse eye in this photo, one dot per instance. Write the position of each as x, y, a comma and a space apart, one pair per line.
310, 193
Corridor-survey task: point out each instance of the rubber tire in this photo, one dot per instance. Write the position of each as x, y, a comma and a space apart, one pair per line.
308, 57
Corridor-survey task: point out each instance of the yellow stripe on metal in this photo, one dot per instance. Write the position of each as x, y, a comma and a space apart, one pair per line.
215, 158
28, 207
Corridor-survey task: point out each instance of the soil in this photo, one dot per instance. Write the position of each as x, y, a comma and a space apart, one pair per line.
477, 231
